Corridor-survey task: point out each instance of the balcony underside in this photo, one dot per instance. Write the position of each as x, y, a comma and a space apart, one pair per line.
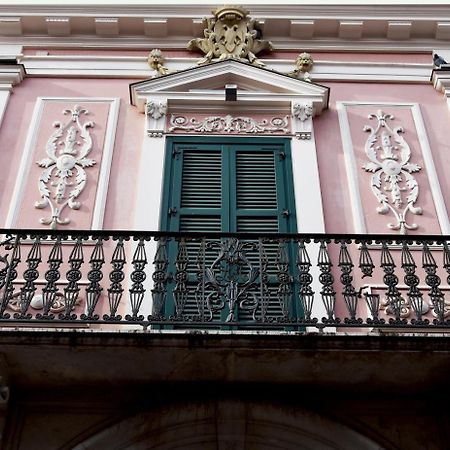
337, 362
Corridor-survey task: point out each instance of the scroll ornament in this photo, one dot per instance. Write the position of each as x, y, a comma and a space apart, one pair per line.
230, 34
64, 169
392, 181
229, 124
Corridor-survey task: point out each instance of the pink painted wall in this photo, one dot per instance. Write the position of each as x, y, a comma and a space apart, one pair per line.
122, 189
53, 111
333, 172
128, 142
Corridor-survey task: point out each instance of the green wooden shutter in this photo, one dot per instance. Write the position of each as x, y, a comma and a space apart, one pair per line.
228, 185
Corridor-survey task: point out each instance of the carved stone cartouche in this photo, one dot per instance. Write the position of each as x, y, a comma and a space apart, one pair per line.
230, 34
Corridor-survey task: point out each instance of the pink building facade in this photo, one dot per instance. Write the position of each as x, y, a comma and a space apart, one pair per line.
241, 137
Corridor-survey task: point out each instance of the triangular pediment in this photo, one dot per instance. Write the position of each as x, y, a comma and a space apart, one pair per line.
213, 78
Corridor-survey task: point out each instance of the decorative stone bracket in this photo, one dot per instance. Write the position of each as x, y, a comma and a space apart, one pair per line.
302, 114
155, 112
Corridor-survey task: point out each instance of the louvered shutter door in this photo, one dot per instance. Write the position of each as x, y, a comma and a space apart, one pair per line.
259, 197
228, 187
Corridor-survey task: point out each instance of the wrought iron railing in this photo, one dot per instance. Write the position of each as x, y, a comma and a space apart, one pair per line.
224, 281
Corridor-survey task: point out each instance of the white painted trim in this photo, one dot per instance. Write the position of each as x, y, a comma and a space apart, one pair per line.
149, 184
308, 194
308, 207
105, 170
25, 164
4, 98
350, 164
30, 144
137, 67
280, 21
435, 188
147, 209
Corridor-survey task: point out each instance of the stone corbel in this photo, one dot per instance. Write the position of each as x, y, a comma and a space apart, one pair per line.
302, 114
10, 75
441, 81
155, 111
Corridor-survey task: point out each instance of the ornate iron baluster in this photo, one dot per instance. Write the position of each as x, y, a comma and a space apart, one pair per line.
391, 280
366, 266
138, 276
305, 279
230, 278
284, 291
264, 292
200, 290
115, 291
6, 244
52, 276
326, 279
446, 261
159, 291
180, 292
73, 275
433, 280
365, 260
95, 275
30, 275
373, 303
11, 275
412, 281
349, 292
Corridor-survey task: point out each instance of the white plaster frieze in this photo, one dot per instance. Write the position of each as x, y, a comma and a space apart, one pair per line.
64, 169
392, 181
229, 124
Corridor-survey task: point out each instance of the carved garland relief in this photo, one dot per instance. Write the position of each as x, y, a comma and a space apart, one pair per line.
392, 181
229, 124
64, 177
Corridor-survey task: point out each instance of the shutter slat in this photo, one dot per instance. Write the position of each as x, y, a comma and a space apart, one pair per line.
255, 181
201, 180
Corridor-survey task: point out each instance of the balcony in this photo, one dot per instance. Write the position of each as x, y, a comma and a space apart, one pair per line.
120, 280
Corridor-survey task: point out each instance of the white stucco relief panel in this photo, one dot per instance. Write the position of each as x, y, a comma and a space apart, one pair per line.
86, 146
392, 180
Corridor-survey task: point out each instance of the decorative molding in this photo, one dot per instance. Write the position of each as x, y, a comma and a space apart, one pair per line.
391, 169
302, 114
66, 169
303, 65
103, 178
302, 111
229, 124
352, 171
342, 27
155, 61
137, 67
230, 34
155, 112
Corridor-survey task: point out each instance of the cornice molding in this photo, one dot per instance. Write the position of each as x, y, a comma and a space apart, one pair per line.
137, 67
10, 75
343, 27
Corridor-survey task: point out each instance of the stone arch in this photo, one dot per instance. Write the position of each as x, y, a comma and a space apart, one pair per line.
227, 425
